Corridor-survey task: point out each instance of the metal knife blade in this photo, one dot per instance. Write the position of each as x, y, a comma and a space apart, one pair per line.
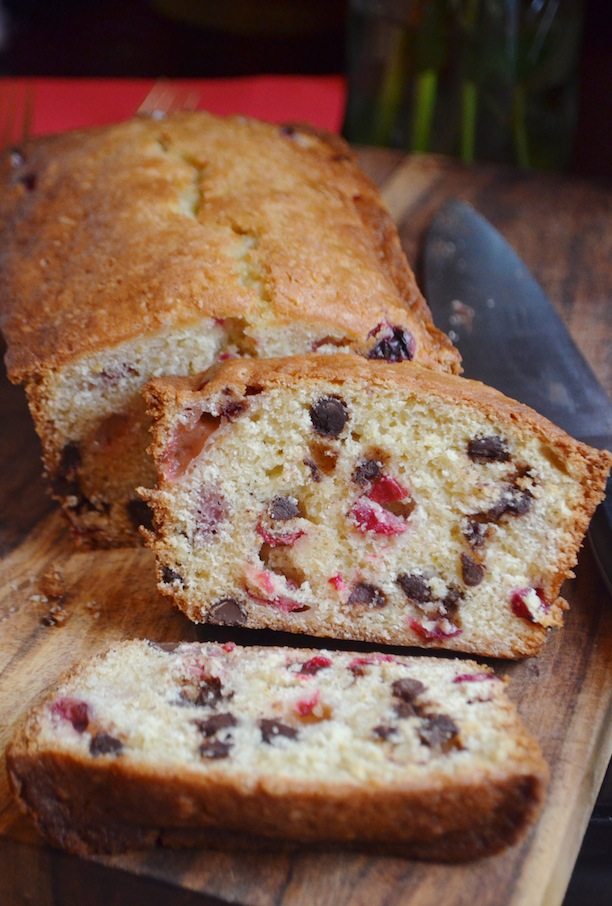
510, 337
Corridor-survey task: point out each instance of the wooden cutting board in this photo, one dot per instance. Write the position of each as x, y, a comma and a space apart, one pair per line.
58, 605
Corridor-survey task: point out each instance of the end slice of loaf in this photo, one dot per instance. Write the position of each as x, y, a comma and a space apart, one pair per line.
150, 248
422, 756
359, 500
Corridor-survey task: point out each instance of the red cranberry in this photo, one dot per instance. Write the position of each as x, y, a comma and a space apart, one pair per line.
522, 604
369, 516
278, 539
316, 663
386, 490
434, 630
74, 711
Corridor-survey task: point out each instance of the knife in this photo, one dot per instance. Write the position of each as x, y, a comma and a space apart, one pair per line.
510, 337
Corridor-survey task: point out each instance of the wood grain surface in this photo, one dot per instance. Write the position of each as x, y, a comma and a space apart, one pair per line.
58, 605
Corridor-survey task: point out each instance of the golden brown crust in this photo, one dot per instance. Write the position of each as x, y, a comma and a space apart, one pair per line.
129, 230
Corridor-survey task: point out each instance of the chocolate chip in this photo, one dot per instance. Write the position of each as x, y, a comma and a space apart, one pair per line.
364, 593
384, 731
438, 731
105, 744
215, 748
253, 390
227, 612
471, 571
407, 688
283, 508
270, 729
488, 449
476, 533
205, 692
140, 513
233, 409
28, 180
414, 586
215, 723
329, 415
367, 471
513, 502
399, 346
314, 471
170, 576
451, 600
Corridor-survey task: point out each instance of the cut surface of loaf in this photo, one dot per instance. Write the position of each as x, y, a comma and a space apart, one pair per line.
155, 247
423, 755
359, 500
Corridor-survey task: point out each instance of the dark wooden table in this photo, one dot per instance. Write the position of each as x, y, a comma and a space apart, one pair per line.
562, 231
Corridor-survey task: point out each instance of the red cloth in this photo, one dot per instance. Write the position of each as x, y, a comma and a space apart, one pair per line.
61, 104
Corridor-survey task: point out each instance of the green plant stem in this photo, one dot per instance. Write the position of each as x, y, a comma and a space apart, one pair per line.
392, 90
425, 90
469, 106
519, 126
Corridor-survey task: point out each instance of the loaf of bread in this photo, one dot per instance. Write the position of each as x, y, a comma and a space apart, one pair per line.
148, 743
157, 247
362, 500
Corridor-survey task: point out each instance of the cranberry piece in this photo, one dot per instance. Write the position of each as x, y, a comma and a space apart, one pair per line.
488, 449
529, 604
314, 664
74, 711
371, 595
271, 729
358, 664
387, 490
474, 677
395, 344
305, 706
369, 516
338, 583
227, 612
414, 586
140, 514
329, 415
211, 510
187, 443
367, 471
434, 630
278, 539
105, 744
233, 409
472, 572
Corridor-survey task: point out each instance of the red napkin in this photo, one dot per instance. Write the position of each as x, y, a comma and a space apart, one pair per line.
61, 104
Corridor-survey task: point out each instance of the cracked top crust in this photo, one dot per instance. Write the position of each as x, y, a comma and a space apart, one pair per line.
144, 226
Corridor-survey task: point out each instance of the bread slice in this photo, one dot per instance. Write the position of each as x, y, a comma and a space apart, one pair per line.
424, 756
360, 500
157, 247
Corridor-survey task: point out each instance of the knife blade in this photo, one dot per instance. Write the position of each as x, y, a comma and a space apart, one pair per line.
510, 337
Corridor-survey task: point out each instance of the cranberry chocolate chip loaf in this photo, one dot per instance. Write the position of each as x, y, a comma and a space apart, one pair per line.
361, 500
149, 743
156, 247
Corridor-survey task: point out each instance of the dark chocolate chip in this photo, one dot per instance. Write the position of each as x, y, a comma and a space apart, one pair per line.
215, 748
488, 449
270, 729
414, 586
407, 688
215, 723
206, 692
227, 612
28, 180
314, 471
398, 347
253, 389
384, 731
513, 502
367, 471
169, 576
329, 415
438, 731
105, 744
364, 593
233, 409
476, 533
283, 508
452, 599
140, 513
471, 571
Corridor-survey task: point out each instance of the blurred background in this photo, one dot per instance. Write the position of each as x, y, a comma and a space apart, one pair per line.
518, 81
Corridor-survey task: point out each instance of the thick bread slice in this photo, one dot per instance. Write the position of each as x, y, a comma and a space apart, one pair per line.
149, 248
423, 756
361, 500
